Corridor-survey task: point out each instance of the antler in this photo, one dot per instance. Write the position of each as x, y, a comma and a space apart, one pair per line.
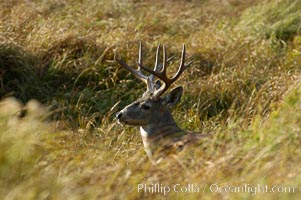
148, 80
159, 71
162, 74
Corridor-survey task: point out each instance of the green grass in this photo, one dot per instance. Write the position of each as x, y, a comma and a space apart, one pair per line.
244, 87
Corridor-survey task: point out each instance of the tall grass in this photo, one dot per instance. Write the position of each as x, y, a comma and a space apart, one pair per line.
244, 87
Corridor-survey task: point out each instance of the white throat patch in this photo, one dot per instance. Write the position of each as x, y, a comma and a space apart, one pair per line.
143, 132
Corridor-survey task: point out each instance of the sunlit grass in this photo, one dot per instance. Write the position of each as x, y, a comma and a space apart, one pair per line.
244, 87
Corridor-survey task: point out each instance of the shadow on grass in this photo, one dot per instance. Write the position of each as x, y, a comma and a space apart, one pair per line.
70, 76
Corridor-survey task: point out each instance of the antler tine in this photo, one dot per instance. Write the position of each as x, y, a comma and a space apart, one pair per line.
157, 58
169, 59
137, 73
149, 79
140, 54
183, 55
182, 64
157, 65
164, 61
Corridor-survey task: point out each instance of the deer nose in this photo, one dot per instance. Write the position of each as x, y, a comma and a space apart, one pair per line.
119, 115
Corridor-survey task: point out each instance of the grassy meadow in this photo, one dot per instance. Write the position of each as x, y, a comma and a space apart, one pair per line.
60, 89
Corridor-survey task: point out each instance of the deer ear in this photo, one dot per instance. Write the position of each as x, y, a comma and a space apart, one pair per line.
174, 96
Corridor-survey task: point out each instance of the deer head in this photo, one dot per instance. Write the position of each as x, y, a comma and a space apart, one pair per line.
153, 107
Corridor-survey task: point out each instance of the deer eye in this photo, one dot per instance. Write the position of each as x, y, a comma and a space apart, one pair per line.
145, 107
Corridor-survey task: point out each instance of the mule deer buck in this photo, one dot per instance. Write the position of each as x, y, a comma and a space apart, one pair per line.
152, 111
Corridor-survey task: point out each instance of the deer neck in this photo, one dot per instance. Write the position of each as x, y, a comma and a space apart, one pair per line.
163, 127
155, 133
